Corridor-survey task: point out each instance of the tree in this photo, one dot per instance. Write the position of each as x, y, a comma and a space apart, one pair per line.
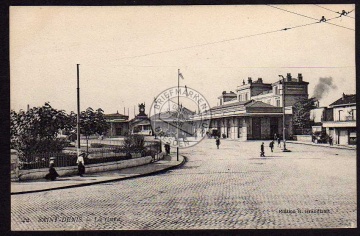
36, 130
92, 123
301, 115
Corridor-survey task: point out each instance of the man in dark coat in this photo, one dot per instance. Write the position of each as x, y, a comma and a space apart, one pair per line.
262, 151
167, 148
271, 145
217, 142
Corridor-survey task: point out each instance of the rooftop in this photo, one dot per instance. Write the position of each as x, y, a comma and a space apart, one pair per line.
344, 100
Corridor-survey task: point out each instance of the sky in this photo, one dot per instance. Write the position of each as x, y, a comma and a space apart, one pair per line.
130, 54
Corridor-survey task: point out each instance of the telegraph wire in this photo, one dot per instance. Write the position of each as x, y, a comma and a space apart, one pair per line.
221, 41
325, 21
336, 11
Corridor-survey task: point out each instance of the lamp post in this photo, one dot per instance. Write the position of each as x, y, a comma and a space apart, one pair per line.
283, 103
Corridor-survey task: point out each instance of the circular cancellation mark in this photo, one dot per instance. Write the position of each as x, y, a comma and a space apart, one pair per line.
180, 116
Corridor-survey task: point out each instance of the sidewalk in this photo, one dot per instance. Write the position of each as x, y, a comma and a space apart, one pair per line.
350, 147
41, 185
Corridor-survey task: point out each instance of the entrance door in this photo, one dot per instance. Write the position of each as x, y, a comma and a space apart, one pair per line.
228, 131
343, 137
274, 126
256, 128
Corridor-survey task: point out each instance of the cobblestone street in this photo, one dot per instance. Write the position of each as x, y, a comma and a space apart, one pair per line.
229, 188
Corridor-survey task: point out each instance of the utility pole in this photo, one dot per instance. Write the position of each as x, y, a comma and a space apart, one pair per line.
78, 111
283, 102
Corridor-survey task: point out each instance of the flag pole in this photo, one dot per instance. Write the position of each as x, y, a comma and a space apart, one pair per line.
177, 133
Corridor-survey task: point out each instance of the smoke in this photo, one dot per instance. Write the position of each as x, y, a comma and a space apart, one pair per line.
324, 86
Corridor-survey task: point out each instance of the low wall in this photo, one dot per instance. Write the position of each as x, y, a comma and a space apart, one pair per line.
93, 168
303, 138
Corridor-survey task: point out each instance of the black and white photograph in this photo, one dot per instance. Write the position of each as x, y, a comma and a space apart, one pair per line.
183, 117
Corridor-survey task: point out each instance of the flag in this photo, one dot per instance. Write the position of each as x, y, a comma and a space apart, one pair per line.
181, 76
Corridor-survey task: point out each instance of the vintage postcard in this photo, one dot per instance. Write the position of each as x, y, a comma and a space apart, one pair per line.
183, 117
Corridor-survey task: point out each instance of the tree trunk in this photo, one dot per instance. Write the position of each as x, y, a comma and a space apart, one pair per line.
87, 144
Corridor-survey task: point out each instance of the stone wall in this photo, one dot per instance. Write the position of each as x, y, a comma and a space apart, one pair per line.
93, 168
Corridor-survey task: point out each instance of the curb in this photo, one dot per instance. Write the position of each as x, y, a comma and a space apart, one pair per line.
317, 145
105, 181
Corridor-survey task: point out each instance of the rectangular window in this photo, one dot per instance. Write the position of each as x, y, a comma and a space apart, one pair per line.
246, 96
278, 103
353, 114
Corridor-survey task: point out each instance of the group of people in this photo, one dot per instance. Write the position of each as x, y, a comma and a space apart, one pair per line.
52, 175
271, 145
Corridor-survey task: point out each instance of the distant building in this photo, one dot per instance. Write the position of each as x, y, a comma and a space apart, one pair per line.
255, 110
166, 123
339, 120
119, 124
141, 123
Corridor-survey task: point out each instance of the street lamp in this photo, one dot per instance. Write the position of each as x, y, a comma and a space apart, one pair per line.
283, 103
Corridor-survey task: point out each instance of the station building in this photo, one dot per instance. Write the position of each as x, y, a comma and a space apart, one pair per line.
255, 109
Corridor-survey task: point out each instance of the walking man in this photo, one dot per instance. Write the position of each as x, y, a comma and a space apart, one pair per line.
271, 145
217, 142
262, 151
279, 142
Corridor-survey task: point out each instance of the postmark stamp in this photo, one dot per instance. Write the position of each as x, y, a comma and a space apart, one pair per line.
180, 116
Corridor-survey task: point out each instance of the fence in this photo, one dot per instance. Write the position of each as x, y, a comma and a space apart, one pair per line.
108, 153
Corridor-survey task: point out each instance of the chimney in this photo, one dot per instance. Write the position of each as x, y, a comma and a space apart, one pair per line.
260, 80
249, 80
224, 92
288, 77
300, 78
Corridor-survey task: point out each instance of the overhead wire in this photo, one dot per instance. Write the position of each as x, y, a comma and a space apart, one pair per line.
221, 41
336, 11
313, 17
242, 37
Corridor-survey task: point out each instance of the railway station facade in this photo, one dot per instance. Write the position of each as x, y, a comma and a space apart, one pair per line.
255, 109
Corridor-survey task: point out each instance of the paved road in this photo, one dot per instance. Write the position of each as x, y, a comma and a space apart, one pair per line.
229, 188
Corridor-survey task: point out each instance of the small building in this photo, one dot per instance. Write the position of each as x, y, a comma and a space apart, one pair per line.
340, 120
119, 124
141, 123
166, 123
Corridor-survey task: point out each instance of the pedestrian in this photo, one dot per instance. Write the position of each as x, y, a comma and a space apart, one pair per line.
52, 175
81, 164
262, 151
275, 136
330, 140
279, 142
271, 145
167, 148
217, 142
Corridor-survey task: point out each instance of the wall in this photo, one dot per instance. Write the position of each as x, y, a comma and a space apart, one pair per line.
303, 138
93, 168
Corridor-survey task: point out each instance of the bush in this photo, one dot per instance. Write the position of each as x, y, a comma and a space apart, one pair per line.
134, 143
